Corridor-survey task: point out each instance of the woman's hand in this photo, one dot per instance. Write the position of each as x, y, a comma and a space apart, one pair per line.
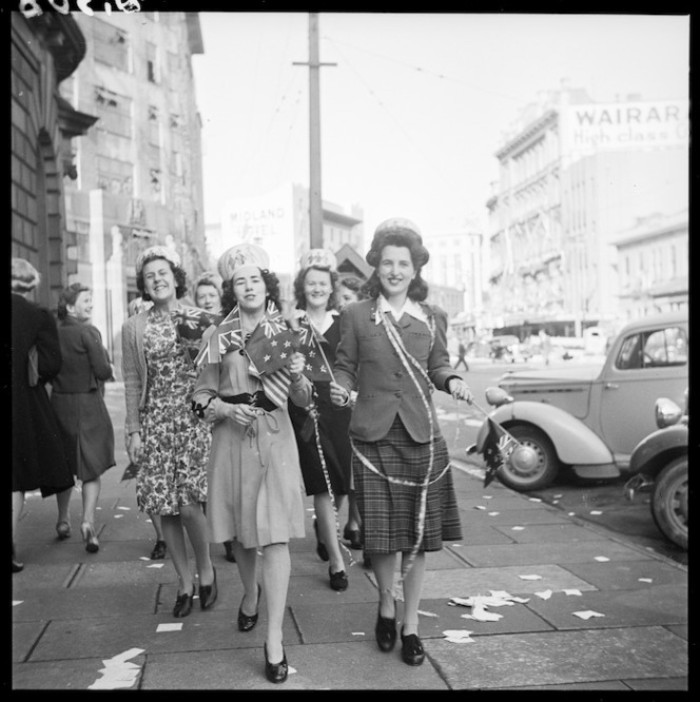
133, 447
460, 390
244, 415
296, 365
340, 397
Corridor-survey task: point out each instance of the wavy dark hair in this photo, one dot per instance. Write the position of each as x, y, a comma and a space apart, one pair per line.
418, 289
272, 286
299, 287
68, 297
178, 273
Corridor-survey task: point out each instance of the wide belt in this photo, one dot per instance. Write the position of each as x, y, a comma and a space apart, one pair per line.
256, 399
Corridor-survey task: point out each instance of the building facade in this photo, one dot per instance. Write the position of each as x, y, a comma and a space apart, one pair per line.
139, 172
45, 51
574, 174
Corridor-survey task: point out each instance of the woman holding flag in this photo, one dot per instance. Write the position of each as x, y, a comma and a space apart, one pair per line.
163, 437
250, 369
322, 437
393, 352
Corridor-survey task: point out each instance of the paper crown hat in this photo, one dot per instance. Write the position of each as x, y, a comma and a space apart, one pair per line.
153, 252
398, 224
239, 256
323, 258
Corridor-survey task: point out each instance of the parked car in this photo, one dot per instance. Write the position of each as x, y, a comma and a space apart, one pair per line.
659, 464
589, 417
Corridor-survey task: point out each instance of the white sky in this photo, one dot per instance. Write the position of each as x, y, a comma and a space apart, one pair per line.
415, 109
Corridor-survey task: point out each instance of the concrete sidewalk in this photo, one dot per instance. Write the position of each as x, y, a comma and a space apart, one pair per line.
75, 614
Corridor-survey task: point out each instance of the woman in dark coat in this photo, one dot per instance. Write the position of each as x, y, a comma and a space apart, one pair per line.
392, 351
38, 459
78, 400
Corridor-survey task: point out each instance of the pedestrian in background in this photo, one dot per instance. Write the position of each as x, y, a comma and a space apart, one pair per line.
138, 304
393, 351
38, 458
78, 400
207, 295
164, 437
255, 494
461, 356
314, 292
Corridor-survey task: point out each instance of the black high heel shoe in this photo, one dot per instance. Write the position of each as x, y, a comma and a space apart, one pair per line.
208, 593
321, 550
183, 604
276, 672
245, 621
87, 531
353, 536
412, 651
385, 631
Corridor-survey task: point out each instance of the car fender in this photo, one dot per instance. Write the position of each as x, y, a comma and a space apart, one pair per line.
573, 441
671, 440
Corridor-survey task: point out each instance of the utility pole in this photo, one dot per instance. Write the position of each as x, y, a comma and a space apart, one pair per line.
315, 200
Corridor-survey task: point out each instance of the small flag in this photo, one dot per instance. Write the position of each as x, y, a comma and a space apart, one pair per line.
309, 343
272, 343
498, 446
226, 336
191, 323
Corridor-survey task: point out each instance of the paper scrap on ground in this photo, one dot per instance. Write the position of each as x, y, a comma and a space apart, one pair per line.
124, 508
169, 626
16, 602
118, 516
573, 591
645, 580
587, 614
530, 577
458, 636
544, 594
555, 502
493, 514
291, 670
517, 528
155, 565
487, 497
480, 614
572, 514
596, 511
456, 545
144, 558
426, 614
358, 633
557, 496
118, 672
479, 507
535, 499
602, 559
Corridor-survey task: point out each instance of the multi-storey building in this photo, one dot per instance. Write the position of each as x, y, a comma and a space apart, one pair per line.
574, 174
45, 50
139, 173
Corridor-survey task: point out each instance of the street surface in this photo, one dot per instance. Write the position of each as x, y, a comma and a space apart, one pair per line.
598, 502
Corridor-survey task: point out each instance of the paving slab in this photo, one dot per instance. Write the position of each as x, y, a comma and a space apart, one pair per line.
501, 502
481, 581
629, 575
50, 575
340, 666
662, 605
525, 517
548, 533
476, 535
304, 589
560, 657
24, 637
679, 630
659, 684
561, 553
61, 675
108, 637
612, 685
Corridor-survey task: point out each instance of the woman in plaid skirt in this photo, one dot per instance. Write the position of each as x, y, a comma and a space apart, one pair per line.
392, 351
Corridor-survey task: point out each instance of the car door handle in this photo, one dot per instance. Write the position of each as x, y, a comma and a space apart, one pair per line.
611, 386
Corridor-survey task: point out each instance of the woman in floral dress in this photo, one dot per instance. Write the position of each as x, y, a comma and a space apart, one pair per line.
165, 439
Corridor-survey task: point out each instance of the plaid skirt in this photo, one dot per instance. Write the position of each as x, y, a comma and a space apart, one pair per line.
390, 511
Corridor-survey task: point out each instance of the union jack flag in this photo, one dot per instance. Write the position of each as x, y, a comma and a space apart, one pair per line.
227, 336
498, 446
309, 341
191, 323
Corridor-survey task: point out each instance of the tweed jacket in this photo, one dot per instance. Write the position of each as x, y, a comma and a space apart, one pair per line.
366, 361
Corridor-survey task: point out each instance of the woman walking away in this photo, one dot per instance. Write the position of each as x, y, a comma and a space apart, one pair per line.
255, 498
164, 437
393, 351
78, 399
38, 460
326, 475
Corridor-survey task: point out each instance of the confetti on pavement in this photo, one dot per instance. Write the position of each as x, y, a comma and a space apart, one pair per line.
572, 514
125, 508
118, 516
118, 672
573, 591
144, 558
479, 507
535, 499
493, 514
544, 594
645, 580
358, 633
168, 626
587, 614
530, 577
480, 614
601, 559
518, 528
155, 565
458, 636
426, 614
16, 602
596, 512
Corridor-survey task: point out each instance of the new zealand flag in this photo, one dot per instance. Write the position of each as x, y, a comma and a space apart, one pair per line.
498, 446
309, 343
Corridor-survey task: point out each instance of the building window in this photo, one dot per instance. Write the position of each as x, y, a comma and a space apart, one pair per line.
111, 45
115, 177
153, 126
114, 112
155, 177
152, 73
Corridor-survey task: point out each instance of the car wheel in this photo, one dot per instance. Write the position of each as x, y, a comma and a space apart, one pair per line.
542, 473
669, 502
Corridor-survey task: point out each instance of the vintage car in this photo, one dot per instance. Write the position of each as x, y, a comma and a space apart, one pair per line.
659, 464
589, 417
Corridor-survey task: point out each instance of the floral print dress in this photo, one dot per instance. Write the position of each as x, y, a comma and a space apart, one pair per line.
175, 443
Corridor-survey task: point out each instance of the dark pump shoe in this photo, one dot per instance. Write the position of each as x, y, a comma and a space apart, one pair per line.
183, 604
63, 530
412, 651
245, 621
321, 550
230, 555
208, 593
276, 672
158, 552
339, 580
353, 536
385, 632
87, 530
